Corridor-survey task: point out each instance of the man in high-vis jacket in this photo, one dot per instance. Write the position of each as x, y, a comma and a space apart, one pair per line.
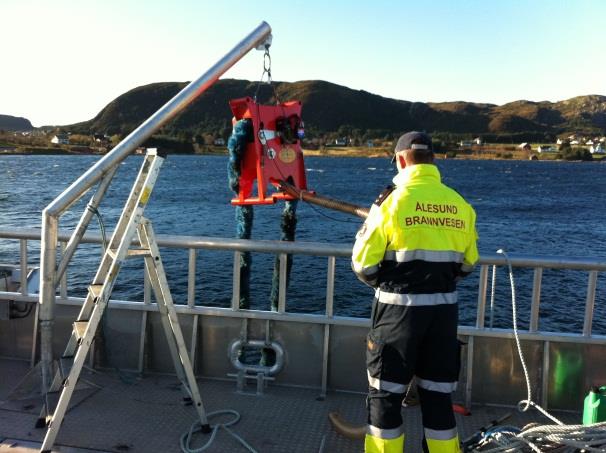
417, 242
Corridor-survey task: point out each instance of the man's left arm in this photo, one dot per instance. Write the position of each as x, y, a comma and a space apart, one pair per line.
471, 256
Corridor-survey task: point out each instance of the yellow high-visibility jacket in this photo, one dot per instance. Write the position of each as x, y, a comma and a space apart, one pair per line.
417, 241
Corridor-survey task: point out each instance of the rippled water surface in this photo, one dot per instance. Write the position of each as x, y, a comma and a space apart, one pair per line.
531, 208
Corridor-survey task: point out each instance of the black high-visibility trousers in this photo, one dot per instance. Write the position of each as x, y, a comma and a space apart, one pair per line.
407, 341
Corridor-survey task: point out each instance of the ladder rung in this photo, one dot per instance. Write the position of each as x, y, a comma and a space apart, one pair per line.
80, 328
111, 253
95, 290
138, 252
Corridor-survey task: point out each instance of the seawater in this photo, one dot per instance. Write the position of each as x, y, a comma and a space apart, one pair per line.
526, 207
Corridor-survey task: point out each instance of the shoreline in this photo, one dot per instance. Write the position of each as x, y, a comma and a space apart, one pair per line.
326, 152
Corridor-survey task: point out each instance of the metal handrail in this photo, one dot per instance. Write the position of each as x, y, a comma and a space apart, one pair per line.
332, 251
313, 248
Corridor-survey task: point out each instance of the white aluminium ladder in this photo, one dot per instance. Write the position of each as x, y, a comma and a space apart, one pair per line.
131, 221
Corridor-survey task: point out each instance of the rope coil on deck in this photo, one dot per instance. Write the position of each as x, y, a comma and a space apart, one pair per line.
185, 440
564, 438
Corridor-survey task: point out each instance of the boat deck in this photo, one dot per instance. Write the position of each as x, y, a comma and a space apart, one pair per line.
116, 413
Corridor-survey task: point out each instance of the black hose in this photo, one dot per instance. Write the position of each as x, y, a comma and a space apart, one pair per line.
325, 202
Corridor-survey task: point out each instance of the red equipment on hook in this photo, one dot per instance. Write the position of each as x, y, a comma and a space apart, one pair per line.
274, 154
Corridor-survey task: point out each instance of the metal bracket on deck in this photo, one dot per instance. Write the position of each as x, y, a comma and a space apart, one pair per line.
248, 371
243, 376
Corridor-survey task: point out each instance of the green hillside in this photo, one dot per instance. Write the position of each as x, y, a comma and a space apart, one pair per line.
14, 123
331, 110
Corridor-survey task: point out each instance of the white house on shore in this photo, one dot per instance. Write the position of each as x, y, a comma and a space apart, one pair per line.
60, 139
525, 146
597, 149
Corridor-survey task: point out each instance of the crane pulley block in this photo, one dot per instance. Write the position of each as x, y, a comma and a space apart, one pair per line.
274, 153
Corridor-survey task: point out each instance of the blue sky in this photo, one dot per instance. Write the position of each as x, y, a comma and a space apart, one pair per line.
64, 60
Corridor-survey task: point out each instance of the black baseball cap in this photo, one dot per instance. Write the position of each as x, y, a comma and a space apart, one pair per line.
413, 140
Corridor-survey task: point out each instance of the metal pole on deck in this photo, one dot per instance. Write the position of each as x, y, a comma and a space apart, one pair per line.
50, 216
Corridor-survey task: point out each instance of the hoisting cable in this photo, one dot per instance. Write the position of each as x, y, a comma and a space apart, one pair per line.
538, 438
266, 70
96, 212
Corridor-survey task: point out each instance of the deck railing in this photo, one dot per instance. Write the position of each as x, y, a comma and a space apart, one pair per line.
332, 252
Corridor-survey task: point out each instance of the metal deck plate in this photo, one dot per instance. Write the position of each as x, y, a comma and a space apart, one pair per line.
146, 415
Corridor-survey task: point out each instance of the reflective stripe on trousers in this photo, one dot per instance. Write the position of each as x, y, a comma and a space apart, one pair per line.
443, 445
442, 387
373, 444
380, 384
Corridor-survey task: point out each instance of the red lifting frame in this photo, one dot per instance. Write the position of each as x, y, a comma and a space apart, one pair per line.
275, 160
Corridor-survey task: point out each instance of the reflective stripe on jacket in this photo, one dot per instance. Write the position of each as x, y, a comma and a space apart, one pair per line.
418, 241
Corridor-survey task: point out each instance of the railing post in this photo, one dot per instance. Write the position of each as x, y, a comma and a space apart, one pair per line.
191, 279
469, 371
63, 278
23, 265
492, 291
330, 293
482, 296
590, 302
545, 376
536, 300
235, 298
282, 283
191, 302
46, 315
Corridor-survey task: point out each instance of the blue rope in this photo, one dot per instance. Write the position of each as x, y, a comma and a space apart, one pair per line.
236, 145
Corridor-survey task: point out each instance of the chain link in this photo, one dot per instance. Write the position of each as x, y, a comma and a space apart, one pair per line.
267, 65
266, 70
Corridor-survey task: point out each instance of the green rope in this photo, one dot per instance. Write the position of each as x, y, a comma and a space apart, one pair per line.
288, 226
244, 222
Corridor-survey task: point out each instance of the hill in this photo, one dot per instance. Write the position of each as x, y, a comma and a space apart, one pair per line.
331, 110
14, 123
